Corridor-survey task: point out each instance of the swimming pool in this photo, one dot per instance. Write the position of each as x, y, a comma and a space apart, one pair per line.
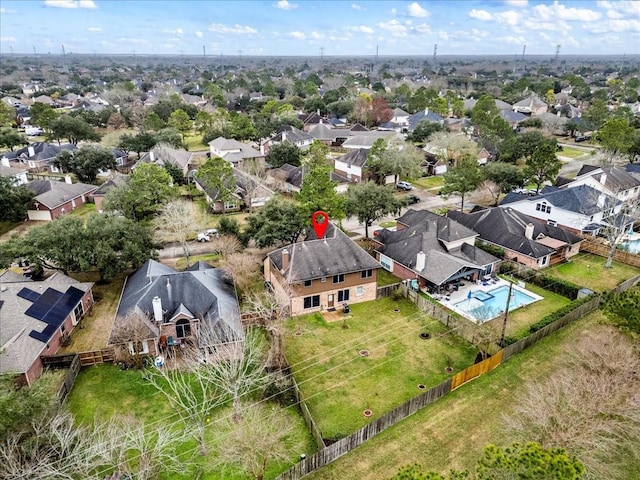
631, 246
485, 306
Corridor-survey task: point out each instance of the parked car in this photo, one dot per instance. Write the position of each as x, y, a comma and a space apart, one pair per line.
212, 232
203, 237
412, 199
404, 186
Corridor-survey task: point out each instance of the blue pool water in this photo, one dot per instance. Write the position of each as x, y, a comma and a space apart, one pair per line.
631, 246
484, 307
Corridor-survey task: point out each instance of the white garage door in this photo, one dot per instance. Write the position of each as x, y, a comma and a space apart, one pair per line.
39, 215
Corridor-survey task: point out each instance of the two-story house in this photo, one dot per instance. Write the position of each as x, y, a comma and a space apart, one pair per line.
322, 274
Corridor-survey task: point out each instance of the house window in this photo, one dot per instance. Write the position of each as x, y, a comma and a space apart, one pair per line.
183, 328
338, 278
138, 348
541, 207
307, 283
359, 291
62, 328
386, 263
312, 301
553, 223
366, 273
77, 314
343, 295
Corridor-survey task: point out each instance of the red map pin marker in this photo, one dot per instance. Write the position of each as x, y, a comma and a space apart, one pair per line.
320, 227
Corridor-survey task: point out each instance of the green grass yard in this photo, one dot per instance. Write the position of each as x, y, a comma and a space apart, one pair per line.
387, 278
571, 152
588, 271
339, 383
452, 432
429, 183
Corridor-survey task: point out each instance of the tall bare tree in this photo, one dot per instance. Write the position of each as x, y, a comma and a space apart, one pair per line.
177, 222
225, 245
589, 406
244, 268
129, 335
263, 435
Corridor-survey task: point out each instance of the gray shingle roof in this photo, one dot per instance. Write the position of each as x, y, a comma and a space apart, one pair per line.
506, 227
204, 291
288, 133
357, 157
19, 349
581, 199
429, 233
615, 178
314, 258
53, 193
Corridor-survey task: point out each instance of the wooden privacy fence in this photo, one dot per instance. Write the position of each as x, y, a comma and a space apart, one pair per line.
476, 370
626, 285
387, 290
313, 428
69, 379
335, 450
97, 356
593, 246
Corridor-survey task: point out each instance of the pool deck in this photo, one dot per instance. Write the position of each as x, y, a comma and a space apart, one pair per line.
451, 299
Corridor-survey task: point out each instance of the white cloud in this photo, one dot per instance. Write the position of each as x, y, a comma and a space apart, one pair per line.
480, 15
509, 17
317, 36
517, 3
285, 5
297, 35
94, 29
177, 31
135, 41
355, 6
8, 39
512, 39
199, 34
394, 12
613, 26
236, 29
360, 29
6, 10
620, 9
423, 28
557, 11
415, 10
70, 3
395, 27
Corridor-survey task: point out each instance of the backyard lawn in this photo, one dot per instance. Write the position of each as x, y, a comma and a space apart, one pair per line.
84, 211
571, 152
429, 183
452, 432
387, 278
588, 270
103, 391
340, 381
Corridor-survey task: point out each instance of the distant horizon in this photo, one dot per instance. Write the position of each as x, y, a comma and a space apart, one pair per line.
329, 28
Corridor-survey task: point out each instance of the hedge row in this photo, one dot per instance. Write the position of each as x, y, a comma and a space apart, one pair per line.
552, 317
541, 279
490, 248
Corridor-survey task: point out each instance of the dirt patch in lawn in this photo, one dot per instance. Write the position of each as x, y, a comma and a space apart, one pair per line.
21, 229
335, 316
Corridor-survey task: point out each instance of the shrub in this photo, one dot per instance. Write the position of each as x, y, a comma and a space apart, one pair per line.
552, 317
492, 249
623, 309
228, 226
541, 279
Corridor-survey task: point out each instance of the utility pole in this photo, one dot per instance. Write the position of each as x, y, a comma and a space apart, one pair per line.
557, 52
321, 54
34, 51
506, 314
376, 54
204, 51
64, 57
524, 49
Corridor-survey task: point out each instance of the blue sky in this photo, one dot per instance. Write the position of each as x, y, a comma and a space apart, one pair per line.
299, 27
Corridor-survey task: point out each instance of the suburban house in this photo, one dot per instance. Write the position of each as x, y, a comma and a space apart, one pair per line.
172, 306
327, 134
399, 121
423, 116
436, 251
581, 210
531, 105
213, 198
235, 152
54, 198
39, 156
293, 135
352, 164
161, 154
117, 180
253, 190
513, 118
310, 120
18, 176
612, 180
286, 178
524, 239
367, 139
322, 274
36, 318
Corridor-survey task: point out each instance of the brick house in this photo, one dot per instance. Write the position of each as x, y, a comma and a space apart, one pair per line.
35, 320
320, 274
54, 198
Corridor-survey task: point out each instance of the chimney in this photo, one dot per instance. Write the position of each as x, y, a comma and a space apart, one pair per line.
285, 259
31, 151
601, 200
421, 260
528, 231
426, 111
169, 293
603, 178
157, 309
262, 149
4, 161
284, 136
67, 179
152, 156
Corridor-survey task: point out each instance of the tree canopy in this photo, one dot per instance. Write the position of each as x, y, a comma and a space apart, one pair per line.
616, 136
217, 176
74, 129
14, 200
396, 158
280, 221
462, 179
282, 153
543, 165
10, 138
368, 202
86, 162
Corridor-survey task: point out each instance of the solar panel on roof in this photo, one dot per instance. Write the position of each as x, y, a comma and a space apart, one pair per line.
52, 308
28, 294
45, 302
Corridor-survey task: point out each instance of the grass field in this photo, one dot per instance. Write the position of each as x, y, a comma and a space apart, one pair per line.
571, 152
84, 211
429, 183
588, 270
386, 278
8, 226
452, 432
194, 142
339, 383
103, 391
